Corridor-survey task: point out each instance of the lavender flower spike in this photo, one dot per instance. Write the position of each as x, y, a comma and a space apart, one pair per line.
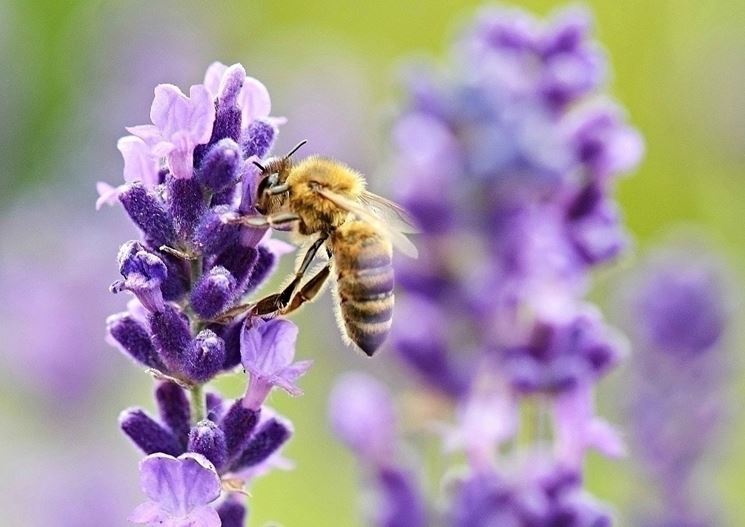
267, 352
180, 123
180, 491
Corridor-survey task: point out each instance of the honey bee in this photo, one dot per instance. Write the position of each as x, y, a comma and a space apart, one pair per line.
325, 202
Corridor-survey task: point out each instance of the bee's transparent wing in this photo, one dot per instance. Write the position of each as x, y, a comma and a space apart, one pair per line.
401, 242
392, 214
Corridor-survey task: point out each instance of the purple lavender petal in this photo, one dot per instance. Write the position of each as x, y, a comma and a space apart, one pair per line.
147, 434
143, 273
208, 439
174, 409
181, 487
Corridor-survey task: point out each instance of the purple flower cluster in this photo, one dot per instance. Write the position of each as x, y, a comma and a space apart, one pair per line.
508, 160
676, 311
187, 176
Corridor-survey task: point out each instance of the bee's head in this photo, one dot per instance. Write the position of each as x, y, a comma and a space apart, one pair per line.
273, 188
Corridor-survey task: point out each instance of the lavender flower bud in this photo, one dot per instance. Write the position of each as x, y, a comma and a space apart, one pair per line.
232, 513
239, 261
213, 234
221, 166
175, 411
228, 117
149, 214
258, 139
205, 357
238, 424
172, 338
185, 205
264, 265
176, 284
267, 440
231, 335
143, 273
133, 339
213, 293
147, 434
207, 439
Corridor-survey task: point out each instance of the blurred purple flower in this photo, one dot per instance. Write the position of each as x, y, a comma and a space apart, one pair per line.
361, 415
267, 354
676, 307
180, 491
508, 161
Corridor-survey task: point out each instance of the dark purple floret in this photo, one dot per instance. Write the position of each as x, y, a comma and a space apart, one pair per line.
185, 205
264, 265
172, 337
232, 513
267, 440
143, 273
239, 261
215, 406
148, 434
221, 166
174, 409
176, 284
231, 335
482, 499
213, 293
134, 338
401, 501
208, 439
214, 234
149, 214
205, 357
238, 424
258, 139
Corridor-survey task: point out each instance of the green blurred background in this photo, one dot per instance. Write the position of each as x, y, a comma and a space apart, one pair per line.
74, 73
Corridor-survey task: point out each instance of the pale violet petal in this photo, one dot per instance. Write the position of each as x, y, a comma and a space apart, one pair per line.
139, 163
254, 101
213, 77
148, 512
204, 516
107, 194
202, 115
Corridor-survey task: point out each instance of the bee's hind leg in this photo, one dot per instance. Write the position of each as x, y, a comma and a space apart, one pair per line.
279, 301
309, 291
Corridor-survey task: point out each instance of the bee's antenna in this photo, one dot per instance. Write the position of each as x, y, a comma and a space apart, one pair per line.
297, 147
261, 167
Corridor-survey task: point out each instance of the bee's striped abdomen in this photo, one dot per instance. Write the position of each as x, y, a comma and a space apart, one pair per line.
365, 284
